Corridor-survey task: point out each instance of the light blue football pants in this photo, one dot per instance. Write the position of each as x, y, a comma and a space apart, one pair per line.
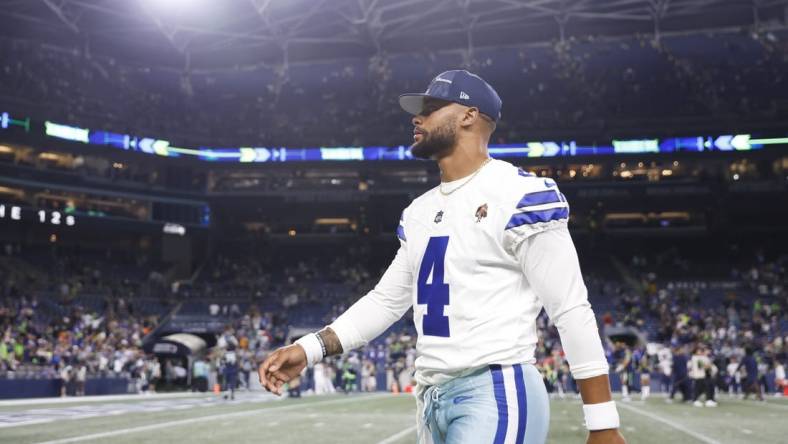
499, 404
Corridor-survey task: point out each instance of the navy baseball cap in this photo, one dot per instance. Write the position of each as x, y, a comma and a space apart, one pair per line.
458, 86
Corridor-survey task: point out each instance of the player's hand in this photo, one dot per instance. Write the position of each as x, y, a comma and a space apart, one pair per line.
281, 366
610, 436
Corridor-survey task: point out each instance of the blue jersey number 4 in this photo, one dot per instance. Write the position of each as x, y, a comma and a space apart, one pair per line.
436, 293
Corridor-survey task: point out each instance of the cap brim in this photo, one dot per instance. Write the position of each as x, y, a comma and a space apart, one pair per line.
412, 103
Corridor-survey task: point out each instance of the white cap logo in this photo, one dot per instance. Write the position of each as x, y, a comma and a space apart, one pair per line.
464, 96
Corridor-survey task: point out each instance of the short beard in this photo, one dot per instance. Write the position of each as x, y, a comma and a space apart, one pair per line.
436, 143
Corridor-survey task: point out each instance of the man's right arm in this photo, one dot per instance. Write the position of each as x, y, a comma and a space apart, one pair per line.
363, 321
331, 341
377, 310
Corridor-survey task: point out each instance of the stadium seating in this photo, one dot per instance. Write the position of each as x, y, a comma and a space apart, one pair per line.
582, 85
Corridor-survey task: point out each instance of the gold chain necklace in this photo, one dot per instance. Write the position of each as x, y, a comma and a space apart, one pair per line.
440, 186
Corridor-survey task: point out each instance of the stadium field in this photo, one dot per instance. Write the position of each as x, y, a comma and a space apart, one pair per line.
376, 418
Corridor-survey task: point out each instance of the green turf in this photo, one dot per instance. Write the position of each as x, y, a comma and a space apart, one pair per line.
372, 419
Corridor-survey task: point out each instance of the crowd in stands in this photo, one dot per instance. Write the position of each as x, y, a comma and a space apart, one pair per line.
588, 85
730, 312
66, 316
70, 345
84, 319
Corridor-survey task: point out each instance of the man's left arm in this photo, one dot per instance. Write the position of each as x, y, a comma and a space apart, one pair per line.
551, 266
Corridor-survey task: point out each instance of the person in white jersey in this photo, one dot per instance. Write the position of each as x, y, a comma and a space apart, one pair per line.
479, 256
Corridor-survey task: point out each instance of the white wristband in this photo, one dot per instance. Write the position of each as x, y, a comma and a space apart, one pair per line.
312, 347
601, 416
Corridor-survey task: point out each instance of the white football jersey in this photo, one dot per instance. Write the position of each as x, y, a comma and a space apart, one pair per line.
471, 304
475, 281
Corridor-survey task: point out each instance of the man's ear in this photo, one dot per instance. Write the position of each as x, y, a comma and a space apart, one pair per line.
469, 117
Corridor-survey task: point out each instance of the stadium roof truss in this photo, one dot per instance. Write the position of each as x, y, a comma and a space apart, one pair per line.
210, 34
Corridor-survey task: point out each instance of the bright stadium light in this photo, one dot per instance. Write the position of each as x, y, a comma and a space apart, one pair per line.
173, 6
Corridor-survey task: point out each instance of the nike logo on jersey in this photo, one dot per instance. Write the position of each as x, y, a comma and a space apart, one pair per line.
460, 399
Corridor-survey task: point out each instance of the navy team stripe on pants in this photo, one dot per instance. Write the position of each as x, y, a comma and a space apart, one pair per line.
522, 404
500, 399
510, 398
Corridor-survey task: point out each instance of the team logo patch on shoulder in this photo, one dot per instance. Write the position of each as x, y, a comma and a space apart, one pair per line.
439, 217
481, 213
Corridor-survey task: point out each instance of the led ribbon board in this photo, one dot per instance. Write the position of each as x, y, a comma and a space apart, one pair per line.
6, 121
544, 149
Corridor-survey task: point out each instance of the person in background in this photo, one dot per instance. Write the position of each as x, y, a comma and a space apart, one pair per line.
644, 367
155, 373
680, 377
81, 378
734, 377
665, 366
200, 371
246, 370
751, 381
318, 376
779, 378
369, 383
348, 378
66, 374
623, 359
230, 373
702, 371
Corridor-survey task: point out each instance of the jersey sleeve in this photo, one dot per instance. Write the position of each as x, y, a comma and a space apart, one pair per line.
533, 205
401, 228
385, 304
549, 262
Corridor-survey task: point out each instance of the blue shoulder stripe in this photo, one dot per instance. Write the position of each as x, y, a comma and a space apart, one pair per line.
524, 173
539, 198
401, 233
533, 217
401, 228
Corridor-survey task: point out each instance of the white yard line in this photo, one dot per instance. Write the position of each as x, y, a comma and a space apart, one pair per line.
668, 422
399, 435
101, 398
28, 423
182, 422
